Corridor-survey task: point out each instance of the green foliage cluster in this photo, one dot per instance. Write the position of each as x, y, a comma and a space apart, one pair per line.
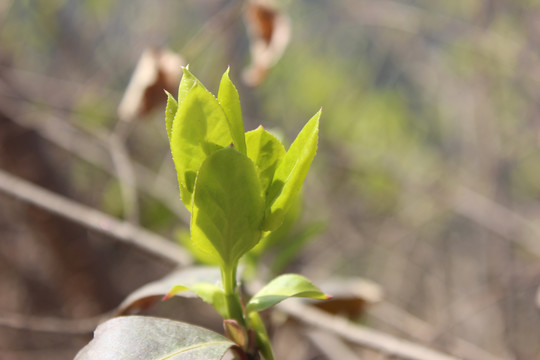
238, 187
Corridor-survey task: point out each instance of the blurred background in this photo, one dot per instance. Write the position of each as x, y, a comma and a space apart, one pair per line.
426, 182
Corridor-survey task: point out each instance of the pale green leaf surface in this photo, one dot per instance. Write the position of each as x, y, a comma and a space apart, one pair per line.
199, 129
281, 288
227, 207
266, 152
213, 295
200, 257
290, 174
209, 293
187, 82
149, 338
170, 112
230, 103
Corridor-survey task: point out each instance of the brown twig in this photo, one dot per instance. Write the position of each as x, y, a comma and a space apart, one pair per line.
498, 219
124, 171
93, 219
94, 149
52, 324
422, 331
370, 338
331, 345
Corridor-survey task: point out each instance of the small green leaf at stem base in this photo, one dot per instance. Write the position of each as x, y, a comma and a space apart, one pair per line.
281, 288
209, 293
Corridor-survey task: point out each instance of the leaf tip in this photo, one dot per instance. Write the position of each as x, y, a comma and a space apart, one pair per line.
175, 290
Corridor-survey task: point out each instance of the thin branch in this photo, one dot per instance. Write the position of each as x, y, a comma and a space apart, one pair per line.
370, 338
423, 331
497, 218
124, 172
93, 219
331, 345
95, 151
214, 26
52, 324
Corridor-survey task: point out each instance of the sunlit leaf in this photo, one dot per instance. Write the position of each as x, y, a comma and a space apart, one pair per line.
266, 152
227, 206
209, 293
149, 338
200, 257
199, 129
230, 102
290, 174
187, 82
281, 288
170, 112
213, 295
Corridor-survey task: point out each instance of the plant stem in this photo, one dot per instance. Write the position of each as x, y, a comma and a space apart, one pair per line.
263, 341
228, 278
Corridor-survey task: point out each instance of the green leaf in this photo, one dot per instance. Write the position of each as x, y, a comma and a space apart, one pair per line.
213, 295
209, 293
187, 82
290, 174
281, 288
266, 152
230, 102
199, 129
149, 338
200, 257
170, 112
227, 207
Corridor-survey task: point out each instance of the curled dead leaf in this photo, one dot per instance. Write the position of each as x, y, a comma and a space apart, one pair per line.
350, 296
269, 33
157, 70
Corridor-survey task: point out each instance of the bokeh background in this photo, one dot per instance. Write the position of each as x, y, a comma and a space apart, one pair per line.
427, 178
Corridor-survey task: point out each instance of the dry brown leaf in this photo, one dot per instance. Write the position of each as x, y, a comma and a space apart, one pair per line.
157, 70
269, 33
350, 296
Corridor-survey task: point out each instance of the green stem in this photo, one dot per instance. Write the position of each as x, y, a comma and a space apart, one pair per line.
263, 340
228, 277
